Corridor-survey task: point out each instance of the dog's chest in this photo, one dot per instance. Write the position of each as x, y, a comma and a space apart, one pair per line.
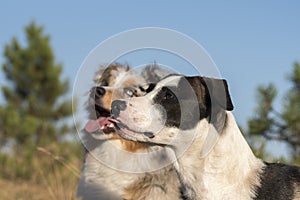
95, 171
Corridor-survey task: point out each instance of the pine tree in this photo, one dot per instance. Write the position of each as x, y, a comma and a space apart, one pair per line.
282, 125
35, 95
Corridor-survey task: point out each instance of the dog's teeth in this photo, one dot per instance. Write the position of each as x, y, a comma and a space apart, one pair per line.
111, 125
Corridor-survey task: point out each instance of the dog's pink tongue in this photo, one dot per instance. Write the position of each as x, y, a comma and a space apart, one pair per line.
101, 123
94, 125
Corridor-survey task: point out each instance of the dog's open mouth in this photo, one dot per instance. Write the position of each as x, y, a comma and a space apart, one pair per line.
127, 133
102, 124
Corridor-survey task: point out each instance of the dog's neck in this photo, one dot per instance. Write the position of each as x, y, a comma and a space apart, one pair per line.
112, 154
229, 171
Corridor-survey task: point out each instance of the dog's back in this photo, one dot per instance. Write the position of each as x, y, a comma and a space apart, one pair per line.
279, 181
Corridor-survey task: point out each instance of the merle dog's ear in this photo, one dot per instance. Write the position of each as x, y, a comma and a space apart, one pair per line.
153, 73
218, 92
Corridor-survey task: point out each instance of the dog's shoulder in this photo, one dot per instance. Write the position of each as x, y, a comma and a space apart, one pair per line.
278, 181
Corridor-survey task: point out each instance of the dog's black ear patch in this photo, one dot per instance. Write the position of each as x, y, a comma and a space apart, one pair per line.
218, 92
194, 98
197, 89
213, 98
211, 92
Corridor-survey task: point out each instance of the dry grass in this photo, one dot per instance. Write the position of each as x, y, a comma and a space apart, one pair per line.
53, 177
17, 190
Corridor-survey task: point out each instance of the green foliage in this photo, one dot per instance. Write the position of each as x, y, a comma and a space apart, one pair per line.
282, 126
35, 104
262, 120
291, 112
34, 116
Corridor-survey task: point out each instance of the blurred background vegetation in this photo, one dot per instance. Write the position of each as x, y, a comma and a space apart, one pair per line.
37, 158
270, 123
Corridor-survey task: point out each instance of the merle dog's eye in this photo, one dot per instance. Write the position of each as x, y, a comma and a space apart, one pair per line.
129, 92
104, 83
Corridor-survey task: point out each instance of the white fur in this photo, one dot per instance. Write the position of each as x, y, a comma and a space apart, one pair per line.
103, 182
229, 172
297, 192
122, 76
229, 169
142, 115
210, 165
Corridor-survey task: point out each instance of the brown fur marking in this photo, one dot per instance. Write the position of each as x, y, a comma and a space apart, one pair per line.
111, 95
133, 146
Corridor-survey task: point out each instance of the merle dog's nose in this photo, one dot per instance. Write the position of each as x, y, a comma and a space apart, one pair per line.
99, 91
117, 106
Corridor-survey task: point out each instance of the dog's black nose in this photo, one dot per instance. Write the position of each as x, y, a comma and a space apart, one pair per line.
99, 92
117, 106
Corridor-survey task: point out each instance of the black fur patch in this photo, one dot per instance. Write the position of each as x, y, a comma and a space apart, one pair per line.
192, 100
169, 101
182, 104
186, 191
277, 182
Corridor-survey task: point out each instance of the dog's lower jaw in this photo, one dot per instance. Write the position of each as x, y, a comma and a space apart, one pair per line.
230, 171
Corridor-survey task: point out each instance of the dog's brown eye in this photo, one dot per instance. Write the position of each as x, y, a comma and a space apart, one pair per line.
168, 95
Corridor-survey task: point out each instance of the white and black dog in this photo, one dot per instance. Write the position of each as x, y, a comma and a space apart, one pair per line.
191, 117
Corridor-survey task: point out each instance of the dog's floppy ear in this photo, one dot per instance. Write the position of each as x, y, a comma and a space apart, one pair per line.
212, 94
217, 89
214, 99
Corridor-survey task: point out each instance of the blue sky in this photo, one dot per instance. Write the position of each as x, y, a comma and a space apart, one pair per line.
251, 42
